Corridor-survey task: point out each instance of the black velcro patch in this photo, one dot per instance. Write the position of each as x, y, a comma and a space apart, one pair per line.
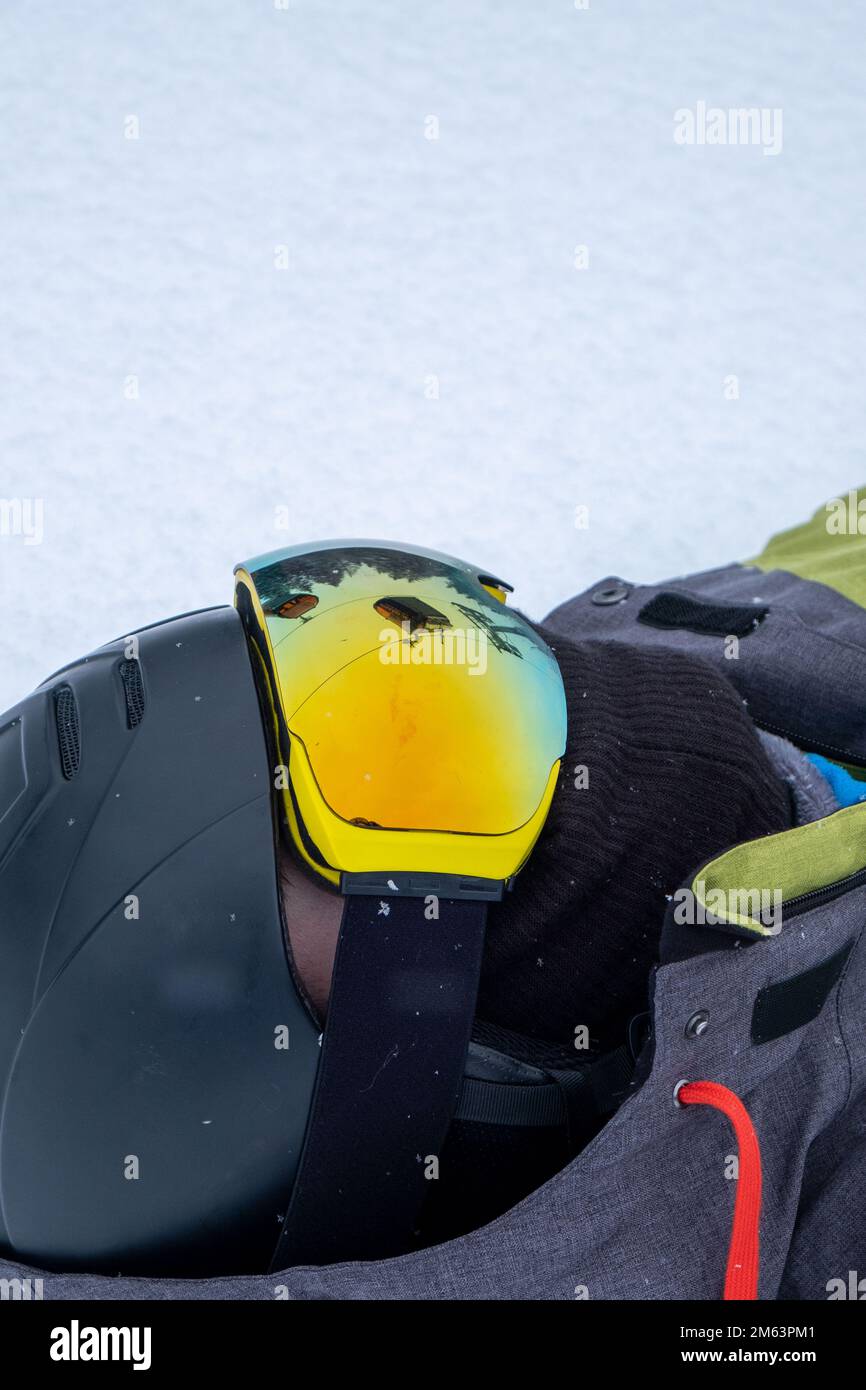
790, 1004
672, 610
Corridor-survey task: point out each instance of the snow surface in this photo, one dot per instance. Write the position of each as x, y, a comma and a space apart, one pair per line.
304, 392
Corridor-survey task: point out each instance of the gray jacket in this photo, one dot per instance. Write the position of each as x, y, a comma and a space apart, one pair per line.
645, 1211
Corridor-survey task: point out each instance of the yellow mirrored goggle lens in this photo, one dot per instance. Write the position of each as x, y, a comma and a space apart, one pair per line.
420, 701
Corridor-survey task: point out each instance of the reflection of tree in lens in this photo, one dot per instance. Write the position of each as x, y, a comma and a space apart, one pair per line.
490, 622
279, 581
285, 581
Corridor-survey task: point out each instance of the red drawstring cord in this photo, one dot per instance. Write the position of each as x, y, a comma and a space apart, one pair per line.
741, 1279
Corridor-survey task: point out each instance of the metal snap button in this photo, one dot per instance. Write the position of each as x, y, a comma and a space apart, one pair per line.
697, 1024
611, 593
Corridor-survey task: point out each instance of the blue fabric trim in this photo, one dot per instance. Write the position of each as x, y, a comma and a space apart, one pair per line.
846, 789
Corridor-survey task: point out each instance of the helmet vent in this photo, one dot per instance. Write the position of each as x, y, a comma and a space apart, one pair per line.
68, 730
133, 692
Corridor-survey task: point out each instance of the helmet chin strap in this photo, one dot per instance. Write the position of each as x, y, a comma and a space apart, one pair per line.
400, 1013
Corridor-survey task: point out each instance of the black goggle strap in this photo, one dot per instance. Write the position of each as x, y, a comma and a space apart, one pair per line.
394, 1049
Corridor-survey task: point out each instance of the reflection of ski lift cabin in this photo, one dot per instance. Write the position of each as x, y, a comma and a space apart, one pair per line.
413, 611
296, 605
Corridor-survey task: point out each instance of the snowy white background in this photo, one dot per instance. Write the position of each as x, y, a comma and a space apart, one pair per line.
304, 388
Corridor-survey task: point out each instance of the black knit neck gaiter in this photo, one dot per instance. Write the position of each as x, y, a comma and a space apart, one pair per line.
675, 774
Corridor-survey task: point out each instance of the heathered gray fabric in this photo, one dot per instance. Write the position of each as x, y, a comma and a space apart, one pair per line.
802, 671
830, 1232
645, 1211
813, 795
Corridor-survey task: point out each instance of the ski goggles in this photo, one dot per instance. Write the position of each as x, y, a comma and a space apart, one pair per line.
418, 723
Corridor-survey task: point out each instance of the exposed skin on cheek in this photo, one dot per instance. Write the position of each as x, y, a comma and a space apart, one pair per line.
313, 917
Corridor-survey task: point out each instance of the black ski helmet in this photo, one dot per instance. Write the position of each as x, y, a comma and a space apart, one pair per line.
169, 1104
